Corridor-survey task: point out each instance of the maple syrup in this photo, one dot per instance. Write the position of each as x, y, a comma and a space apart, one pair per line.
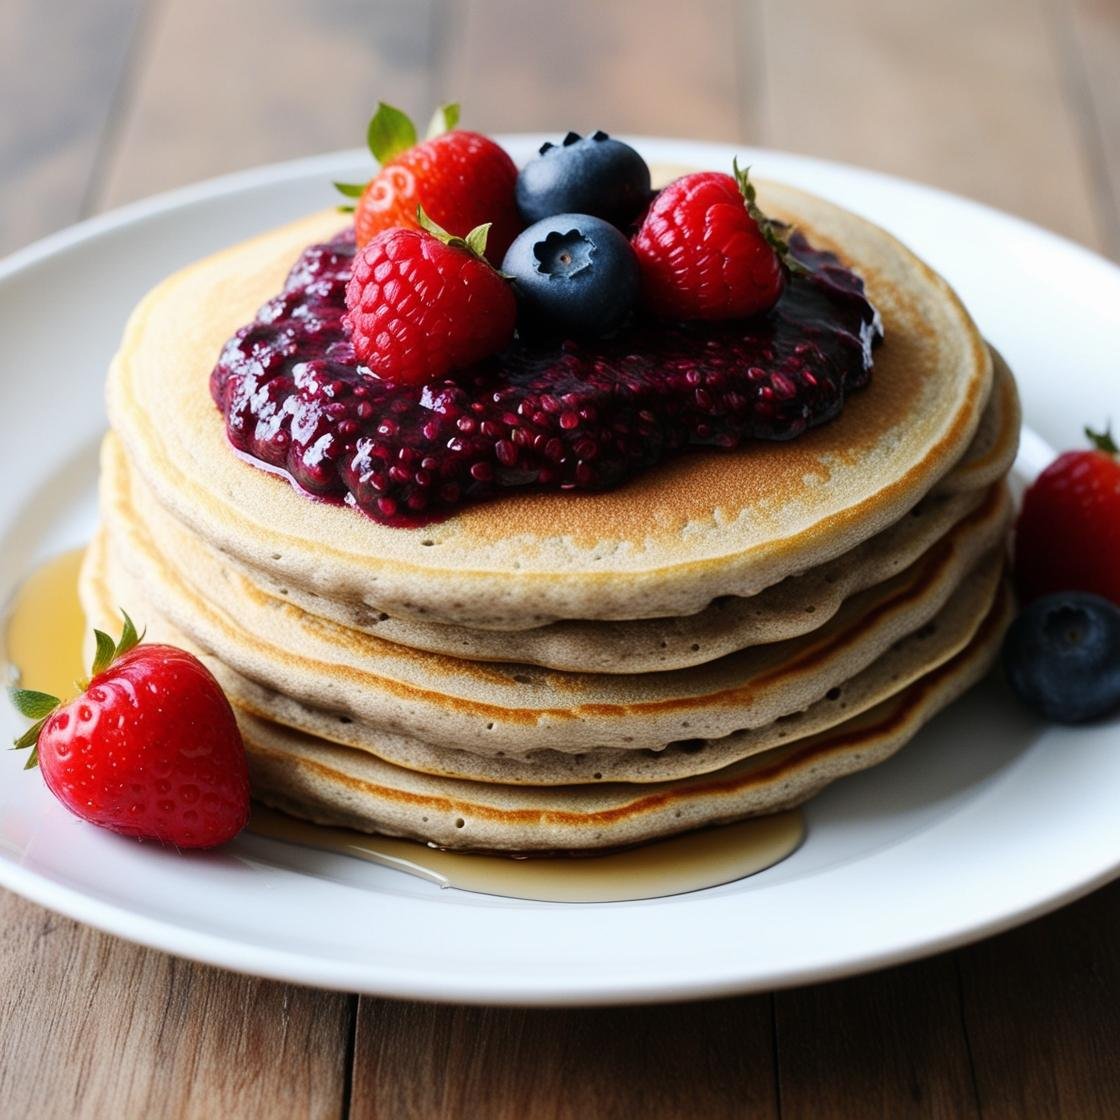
44, 628
43, 641
690, 862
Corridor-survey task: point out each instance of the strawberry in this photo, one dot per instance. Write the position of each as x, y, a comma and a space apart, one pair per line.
150, 748
1068, 534
421, 303
706, 251
462, 179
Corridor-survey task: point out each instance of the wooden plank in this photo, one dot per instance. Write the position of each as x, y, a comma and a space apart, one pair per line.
1042, 1014
1092, 31
226, 86
708, 1060
60, 66
887, 1045
91, 1027
970, 97
664, 68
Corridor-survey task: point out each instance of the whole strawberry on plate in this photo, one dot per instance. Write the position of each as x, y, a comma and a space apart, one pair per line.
461, 179
706, 250
1068, 534
149, 748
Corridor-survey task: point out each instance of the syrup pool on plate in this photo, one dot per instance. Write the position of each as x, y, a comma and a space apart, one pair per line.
44, 629
43, 641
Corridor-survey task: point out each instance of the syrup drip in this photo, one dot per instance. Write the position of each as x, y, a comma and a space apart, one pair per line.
43, 639
690, 862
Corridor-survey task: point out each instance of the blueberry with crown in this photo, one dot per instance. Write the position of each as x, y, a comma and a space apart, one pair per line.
594, 175
573, 273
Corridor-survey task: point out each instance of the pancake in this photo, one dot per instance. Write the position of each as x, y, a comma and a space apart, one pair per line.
911, 657
795, 606
664, 545
494, 707
992, 451
332, 785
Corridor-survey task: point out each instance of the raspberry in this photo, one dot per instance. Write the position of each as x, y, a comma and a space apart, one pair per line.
707, 252
419, 306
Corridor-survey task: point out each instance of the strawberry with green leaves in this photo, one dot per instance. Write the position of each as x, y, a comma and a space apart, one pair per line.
461, 179
149, 748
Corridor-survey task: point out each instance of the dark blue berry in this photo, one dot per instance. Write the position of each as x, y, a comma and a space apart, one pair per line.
574, 273
584, 175
1062, 656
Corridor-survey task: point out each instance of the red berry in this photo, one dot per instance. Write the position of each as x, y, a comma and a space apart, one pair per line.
461, 179
1068, 534
150, 749
706, 252
420, 307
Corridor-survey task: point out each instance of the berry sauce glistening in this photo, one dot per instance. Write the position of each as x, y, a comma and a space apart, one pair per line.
555, 415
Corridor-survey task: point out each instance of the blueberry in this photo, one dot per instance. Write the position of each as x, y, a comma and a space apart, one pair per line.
573, 272
584, 175
1062, 656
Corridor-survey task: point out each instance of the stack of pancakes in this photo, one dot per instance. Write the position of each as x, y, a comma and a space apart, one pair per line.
719, 638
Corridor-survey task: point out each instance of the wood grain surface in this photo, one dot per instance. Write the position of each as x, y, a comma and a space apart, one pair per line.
1014, 102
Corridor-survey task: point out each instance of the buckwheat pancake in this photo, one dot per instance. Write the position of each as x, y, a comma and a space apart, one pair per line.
908, 659
332, 785
491, 707
665, 544
795, 606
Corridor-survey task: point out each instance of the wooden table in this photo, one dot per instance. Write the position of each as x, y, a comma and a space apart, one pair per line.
1015, 102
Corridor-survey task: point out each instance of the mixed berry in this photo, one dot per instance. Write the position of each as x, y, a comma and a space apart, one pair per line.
422, 302
149, 748
1068, 534
593, 175
400, 372
1062, 655
707, 252
461, 179
573, 273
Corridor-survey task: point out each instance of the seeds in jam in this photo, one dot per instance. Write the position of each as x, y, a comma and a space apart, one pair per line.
543, 414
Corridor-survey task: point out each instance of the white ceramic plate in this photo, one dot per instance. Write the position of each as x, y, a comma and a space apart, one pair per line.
988, 819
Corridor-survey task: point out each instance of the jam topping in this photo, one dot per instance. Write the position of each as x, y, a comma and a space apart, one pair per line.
544, 414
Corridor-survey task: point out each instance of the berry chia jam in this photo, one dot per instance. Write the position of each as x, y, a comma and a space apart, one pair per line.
556, 415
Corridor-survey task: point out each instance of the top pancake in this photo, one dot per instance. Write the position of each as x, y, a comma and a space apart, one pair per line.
706, 524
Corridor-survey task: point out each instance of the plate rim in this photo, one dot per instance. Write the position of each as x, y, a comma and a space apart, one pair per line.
397, 983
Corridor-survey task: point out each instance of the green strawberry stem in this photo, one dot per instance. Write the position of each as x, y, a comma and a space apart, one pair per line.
775, 232
39, 706
351, 190
444, 119
1103, 441
391, 132
474, 243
